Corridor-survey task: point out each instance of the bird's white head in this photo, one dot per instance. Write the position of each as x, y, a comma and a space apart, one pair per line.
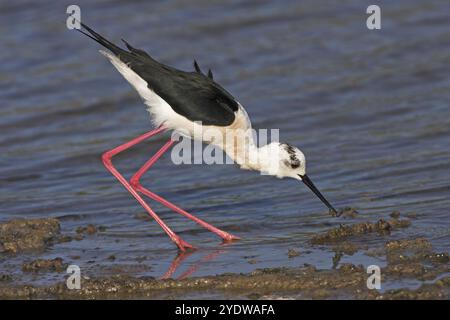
291, 161
286, 161
282, 160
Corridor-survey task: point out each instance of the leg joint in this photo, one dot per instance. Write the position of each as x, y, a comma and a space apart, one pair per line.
134, 182
106, 158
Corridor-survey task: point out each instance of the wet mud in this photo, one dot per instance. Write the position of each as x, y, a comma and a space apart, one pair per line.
21, 235
344, 232
411, 258
38, 265
349, 281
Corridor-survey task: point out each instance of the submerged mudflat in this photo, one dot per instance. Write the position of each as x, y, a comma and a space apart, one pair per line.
411, 259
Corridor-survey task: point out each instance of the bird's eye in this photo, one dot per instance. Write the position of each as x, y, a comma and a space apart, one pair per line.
295, 163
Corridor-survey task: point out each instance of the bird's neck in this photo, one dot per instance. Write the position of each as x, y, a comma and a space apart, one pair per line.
251, 157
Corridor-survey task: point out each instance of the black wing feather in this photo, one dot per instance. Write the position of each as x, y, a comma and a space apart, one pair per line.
190, 94
138, 52
197, 67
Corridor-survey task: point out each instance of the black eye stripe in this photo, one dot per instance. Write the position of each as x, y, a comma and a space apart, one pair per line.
294, 162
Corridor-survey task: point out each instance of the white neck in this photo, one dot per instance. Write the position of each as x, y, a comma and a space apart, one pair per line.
251, 157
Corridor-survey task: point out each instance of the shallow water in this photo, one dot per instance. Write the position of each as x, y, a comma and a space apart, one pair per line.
370, 109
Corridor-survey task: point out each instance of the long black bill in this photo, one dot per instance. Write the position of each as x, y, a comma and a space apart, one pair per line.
306, 180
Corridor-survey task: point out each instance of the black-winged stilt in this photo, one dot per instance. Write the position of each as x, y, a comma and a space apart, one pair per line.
180, 101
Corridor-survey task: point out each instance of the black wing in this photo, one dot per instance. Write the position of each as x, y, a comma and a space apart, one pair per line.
190, 94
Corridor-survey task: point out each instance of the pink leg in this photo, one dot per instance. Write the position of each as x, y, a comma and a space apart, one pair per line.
135, 183
107, 161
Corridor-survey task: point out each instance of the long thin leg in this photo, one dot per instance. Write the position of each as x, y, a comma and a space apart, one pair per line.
107, 161
135, 183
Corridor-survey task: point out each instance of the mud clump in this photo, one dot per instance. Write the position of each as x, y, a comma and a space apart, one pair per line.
399, 223
414, 258
395, 214
89, 229
292, 253
348, 212
5, 277
408, 244
348, 268
441, 257
410, 270
412, 251
19, 235
56, 265
346, 231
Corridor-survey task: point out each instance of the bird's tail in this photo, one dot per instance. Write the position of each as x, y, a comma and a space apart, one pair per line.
101, 40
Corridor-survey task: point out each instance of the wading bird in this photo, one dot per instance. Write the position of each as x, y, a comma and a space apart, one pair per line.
180, 101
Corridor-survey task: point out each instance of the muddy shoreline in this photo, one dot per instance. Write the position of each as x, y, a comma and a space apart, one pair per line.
409, 259
349, 281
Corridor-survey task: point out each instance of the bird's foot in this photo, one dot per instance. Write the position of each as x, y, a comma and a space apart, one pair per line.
228, 237
183, 246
